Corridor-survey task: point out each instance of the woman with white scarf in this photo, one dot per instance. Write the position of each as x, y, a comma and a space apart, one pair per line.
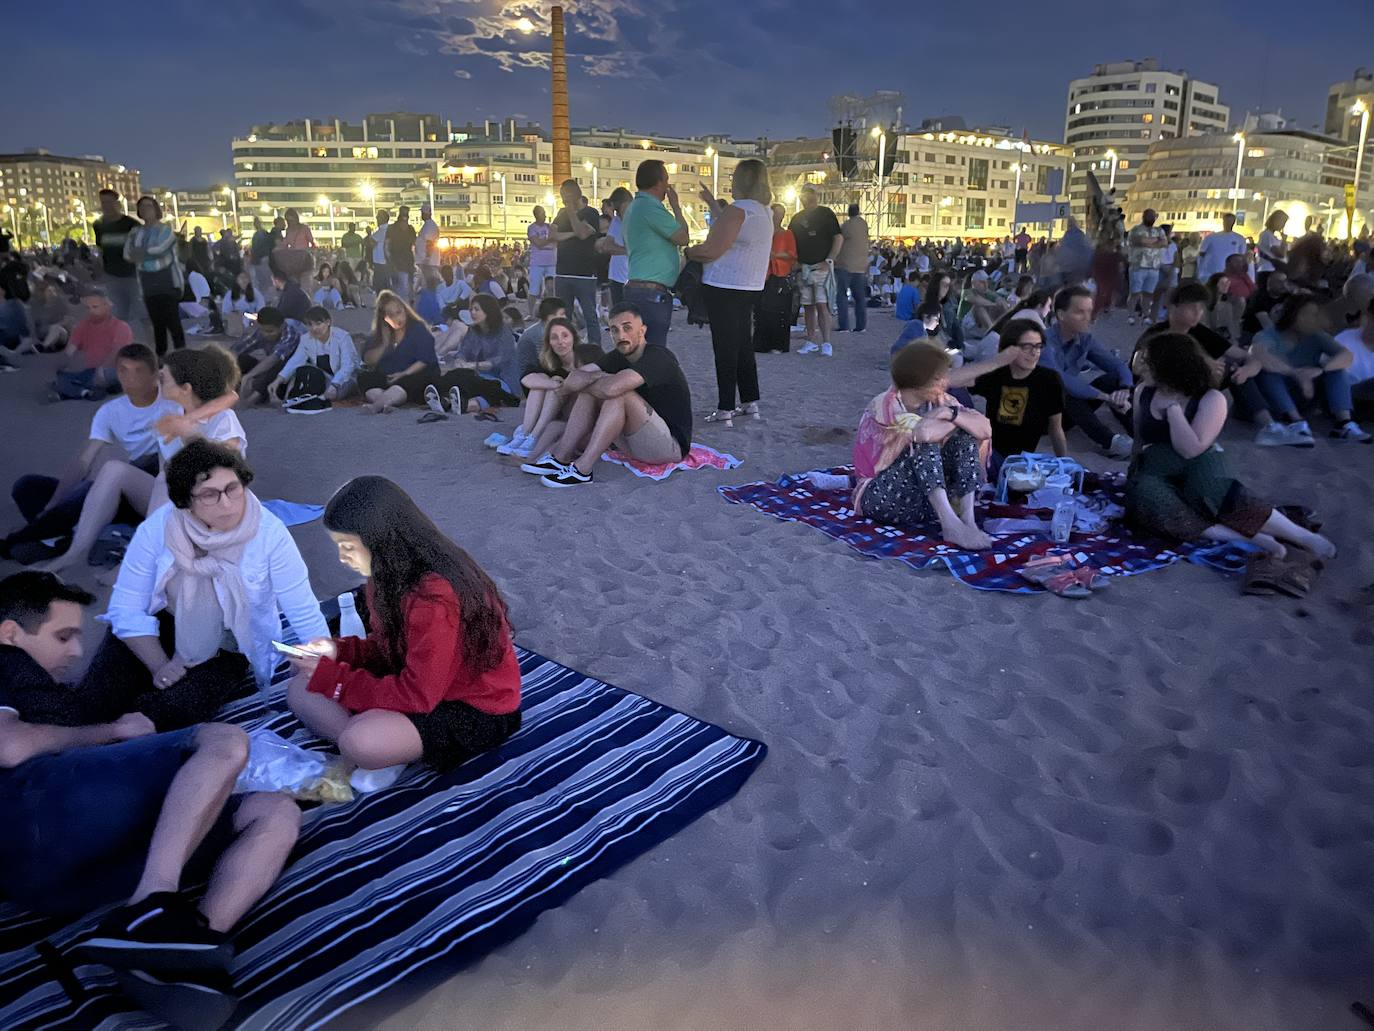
198, 601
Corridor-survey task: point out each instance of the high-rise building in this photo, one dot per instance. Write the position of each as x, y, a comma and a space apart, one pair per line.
1117, 112
946, 181
47, 196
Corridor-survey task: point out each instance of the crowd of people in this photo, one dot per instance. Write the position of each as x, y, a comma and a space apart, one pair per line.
128, 774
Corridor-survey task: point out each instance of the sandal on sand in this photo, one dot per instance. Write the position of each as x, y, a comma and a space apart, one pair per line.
486, 415
433, 417
1263, 574
1053, 573
1299, 574
1091, 578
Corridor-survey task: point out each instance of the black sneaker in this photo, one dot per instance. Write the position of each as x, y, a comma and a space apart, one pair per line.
569, 476
200, 1002
546, 466
164, 932
307, 406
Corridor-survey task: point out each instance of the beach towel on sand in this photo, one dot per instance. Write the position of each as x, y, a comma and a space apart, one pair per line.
1117, 551
700, 457
404, 886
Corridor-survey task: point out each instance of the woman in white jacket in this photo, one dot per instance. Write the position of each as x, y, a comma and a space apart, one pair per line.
200, 594
328, 349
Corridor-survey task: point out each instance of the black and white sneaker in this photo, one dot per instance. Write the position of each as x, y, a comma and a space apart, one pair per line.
203, 1002
164, 932
546, 466
432, 401
311, 405
571, 476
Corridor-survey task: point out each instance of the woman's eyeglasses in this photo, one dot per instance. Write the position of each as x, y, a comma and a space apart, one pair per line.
212, 496
1032, 346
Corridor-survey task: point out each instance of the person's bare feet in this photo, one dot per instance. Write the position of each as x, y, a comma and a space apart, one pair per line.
1317, 544
1269, 545
970, 538
379, 409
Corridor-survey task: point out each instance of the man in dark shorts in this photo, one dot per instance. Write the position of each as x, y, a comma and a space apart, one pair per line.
100, 809
639, 401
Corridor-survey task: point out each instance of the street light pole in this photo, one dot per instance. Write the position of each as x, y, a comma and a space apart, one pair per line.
1239, 139
596, 181
1362, 109
1111, 184
505, 212
882, 160
171, 196
714, 155
234, 207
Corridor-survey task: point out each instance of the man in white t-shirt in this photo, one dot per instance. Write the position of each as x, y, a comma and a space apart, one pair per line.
543, 254
381, 272
121, 430
1216, 248
1359, 341
427, 244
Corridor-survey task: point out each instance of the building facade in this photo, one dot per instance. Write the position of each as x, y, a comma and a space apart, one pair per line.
484, 180
1349, 110
947, 181
1118, 112
47, 197
1191, 182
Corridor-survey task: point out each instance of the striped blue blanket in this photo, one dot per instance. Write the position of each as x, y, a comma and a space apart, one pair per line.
406, 885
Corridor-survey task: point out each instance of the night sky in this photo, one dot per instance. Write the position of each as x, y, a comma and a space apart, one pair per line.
154, 85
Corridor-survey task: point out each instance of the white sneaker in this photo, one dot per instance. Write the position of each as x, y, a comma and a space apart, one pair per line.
1351, 431
1274, 435
498, 441
827, 351
1120, 447
1302, 434
366, 781
810, 347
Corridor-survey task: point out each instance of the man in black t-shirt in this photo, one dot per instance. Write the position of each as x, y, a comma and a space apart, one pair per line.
638, 401
112, 810
818, 241
1025, 400
576, 228
112, 228
400, 252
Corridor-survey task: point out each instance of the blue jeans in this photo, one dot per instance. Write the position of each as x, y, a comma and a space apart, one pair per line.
656, 306
581, 290
857, 283
78, 823
88, 384
125, 296
1283, 394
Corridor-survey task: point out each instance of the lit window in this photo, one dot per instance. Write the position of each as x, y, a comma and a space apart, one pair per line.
1147, 118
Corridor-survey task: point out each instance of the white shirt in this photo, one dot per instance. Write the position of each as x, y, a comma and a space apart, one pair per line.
274, 576
1268, 244
427, 244
451, 293
222, 427
620, 263
1215, 249
328, 297
923, 262
122, 422
339, 349
745, 265
1362, 368
378, 239
200, 288
1168, 254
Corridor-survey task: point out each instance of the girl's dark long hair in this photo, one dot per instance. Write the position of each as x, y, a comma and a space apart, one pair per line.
1179, 364
406, 547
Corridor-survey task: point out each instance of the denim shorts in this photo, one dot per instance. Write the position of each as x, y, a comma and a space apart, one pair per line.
78, 822
1144, 280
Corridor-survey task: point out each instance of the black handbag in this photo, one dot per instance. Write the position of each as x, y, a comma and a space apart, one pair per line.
776, 298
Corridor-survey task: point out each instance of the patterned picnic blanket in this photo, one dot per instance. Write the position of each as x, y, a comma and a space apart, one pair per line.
700, 457
1118, 550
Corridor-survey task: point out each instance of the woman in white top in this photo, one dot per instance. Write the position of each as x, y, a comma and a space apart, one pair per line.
200, 593
1273, 247
202, 382
736, 254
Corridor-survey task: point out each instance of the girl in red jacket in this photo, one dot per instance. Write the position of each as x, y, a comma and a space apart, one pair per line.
436, 678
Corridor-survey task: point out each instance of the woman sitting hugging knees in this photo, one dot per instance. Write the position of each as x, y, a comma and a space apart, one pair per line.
436, 678
1179, 484
203, 383
917, 451
400, 356
547, 404
483, 367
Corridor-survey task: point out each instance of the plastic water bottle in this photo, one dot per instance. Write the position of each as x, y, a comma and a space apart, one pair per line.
350, 623
1062, 523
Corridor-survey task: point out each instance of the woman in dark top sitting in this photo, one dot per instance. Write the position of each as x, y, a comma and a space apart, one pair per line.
486, 366
1179, 484
400, 357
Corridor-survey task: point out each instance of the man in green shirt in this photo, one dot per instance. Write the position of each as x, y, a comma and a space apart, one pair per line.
352, 243
652, 238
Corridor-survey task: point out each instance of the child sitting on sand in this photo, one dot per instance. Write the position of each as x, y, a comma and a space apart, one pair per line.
917, 451
436, 678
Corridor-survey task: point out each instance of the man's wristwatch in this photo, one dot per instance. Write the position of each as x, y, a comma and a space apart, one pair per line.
953, 412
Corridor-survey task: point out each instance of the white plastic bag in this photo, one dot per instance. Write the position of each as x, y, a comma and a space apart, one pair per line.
275, 764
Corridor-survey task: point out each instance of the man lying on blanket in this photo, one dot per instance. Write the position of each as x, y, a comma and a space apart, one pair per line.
637, 399
95, 812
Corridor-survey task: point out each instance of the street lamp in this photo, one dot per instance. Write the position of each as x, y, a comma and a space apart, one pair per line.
369, 192
173, 198
1111, 184
1239, 139
228, 191
325, 202
1362, 109
47, 222
792, 197
878, 134
714, 155
505, 217
596, 182
14, 216
79, 203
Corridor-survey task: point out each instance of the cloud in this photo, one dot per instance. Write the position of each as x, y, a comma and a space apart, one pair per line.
462, 73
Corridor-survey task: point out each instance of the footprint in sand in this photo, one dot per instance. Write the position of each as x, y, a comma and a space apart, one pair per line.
1058, 715
1022, 844
1102, 825
1192, 777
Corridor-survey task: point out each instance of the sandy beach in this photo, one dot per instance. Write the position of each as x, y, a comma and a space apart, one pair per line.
1151, 809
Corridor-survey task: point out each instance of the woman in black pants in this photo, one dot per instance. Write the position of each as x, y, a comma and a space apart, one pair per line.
736, 255
152, 249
